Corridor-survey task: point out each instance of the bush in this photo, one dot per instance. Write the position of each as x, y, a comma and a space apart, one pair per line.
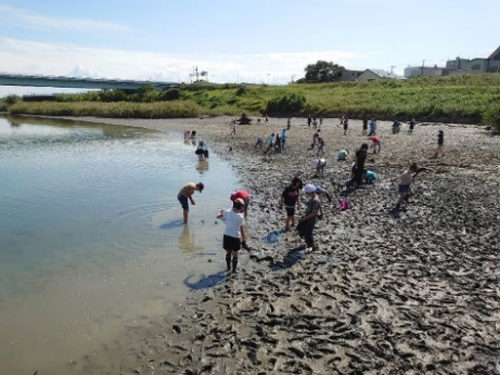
492, 117
12, 99
242, 90
286, 104
170, 94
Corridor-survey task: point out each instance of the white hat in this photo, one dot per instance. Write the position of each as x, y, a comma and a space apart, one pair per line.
309, 188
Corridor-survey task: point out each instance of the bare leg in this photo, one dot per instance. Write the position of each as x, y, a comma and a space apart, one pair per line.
185, 214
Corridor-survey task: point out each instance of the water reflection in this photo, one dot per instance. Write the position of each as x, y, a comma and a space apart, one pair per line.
202, 166
187, 241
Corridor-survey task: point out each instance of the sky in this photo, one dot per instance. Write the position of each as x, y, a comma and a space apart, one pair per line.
254, 41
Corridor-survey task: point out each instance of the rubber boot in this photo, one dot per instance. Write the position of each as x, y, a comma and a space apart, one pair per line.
228, 262
235, 264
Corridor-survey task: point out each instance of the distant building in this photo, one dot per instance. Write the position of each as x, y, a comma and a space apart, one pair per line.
344, 75
376, 74
430, 71
490, 64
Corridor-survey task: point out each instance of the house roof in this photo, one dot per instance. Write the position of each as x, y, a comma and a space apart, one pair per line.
495, 55
384, 74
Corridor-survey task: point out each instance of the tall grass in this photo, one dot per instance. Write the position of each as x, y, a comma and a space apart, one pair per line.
176, 109
464, 98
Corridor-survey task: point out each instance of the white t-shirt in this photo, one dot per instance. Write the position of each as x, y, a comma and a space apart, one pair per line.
233, 223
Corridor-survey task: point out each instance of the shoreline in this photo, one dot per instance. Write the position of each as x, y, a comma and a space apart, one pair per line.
414, 292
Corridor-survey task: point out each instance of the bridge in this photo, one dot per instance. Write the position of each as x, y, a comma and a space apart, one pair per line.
78, 83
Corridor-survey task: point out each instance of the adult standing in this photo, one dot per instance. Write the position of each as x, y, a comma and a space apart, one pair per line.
359, 164
365, 126
186, 193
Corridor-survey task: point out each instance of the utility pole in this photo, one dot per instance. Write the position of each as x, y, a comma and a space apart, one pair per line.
293, 77
392, 68
423, 63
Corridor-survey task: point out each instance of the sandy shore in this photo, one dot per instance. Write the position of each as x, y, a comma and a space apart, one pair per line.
411, 291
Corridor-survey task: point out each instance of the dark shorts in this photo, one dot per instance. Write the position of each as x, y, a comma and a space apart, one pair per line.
183, 201
231, 243
404, 189
290, 211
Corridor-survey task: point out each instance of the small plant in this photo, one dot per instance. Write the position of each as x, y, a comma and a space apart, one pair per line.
492, 117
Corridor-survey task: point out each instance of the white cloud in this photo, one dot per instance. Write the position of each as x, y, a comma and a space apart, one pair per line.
25, 19
28, 57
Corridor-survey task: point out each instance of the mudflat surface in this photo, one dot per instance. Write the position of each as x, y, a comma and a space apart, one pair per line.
389, 291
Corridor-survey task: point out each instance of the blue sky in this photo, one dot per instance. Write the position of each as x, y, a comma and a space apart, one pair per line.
238, 41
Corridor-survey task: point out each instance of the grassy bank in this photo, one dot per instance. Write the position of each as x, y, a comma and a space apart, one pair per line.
466, 99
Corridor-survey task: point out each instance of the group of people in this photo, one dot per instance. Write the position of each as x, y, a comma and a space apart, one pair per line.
235, 237
275, 141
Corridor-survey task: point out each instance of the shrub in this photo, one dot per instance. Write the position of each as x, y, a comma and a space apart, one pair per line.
293, 103
12, 99
242, 90
492, 116
171, 94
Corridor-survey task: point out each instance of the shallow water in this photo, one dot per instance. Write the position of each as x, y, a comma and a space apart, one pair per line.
92, 241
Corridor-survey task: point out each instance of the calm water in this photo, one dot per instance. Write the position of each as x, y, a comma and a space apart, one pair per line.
92, 241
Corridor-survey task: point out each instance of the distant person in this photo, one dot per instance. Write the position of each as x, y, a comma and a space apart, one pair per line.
269, 143
288, 123
319, 165
376, 144
309, 120
342, 155
234, 234
405, 179
440, 148
186, 193
290, 198
315, 123
370, 176
411, 126
244, 195
284, 136
320, 121
346, 125
277, 143
373, 127
267, 119
308, 221
315, 139
321, 146
365, 126
259, 142
202, 150
359, 164
321, 192
341, 121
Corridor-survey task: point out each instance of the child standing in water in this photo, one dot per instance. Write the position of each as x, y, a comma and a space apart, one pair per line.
290, 198
186, 193
234, 234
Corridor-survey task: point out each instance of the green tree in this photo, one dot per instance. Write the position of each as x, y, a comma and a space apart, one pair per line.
322, 71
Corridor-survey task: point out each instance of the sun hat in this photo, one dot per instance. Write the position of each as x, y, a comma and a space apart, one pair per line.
309, 188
